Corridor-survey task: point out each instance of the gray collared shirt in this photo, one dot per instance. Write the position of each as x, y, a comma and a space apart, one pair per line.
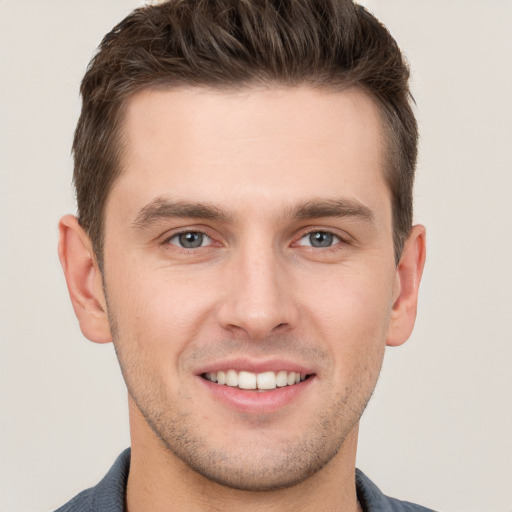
109, 494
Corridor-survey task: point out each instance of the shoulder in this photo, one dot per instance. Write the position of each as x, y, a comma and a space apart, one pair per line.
373, 500
80, 503
108, 495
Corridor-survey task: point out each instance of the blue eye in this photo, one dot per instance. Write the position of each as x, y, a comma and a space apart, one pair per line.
190, 240
320, 239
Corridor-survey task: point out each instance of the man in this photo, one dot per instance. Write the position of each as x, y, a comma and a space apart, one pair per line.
244, 178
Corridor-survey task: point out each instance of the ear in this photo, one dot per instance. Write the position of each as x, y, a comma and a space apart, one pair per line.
407, 283
84, 280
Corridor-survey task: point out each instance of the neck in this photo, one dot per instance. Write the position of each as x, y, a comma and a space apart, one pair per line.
159, 481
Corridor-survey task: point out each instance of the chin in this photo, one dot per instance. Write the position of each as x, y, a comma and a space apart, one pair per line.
261, 472
255, 460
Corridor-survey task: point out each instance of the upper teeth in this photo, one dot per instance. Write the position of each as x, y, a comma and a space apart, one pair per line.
249, 380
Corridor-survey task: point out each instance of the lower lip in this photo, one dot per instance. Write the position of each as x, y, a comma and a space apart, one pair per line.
254, 401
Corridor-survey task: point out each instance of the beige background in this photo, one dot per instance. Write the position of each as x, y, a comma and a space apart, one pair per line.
438, 430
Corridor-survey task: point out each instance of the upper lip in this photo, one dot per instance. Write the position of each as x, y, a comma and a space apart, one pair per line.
255, 366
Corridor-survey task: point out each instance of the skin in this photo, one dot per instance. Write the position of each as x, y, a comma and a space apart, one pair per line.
244, 169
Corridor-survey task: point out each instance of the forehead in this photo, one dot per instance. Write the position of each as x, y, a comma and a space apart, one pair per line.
272, 145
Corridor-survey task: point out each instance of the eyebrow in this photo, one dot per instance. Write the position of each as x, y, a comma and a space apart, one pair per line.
331, 208
162, 208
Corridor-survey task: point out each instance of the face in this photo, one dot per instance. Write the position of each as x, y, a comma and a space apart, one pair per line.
250, 276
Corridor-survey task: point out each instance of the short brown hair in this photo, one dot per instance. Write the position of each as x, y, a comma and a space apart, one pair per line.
331, 44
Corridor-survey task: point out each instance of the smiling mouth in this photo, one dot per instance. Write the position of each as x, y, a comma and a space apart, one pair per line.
264, 381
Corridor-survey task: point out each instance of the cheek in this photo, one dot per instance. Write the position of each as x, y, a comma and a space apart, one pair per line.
158, 309
350, 310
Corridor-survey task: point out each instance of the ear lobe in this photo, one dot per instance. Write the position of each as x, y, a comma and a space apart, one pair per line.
408, 277
84, 280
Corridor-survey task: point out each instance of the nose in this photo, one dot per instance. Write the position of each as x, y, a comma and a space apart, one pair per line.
258, 299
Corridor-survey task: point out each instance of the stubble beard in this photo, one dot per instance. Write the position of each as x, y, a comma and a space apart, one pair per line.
251, 466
